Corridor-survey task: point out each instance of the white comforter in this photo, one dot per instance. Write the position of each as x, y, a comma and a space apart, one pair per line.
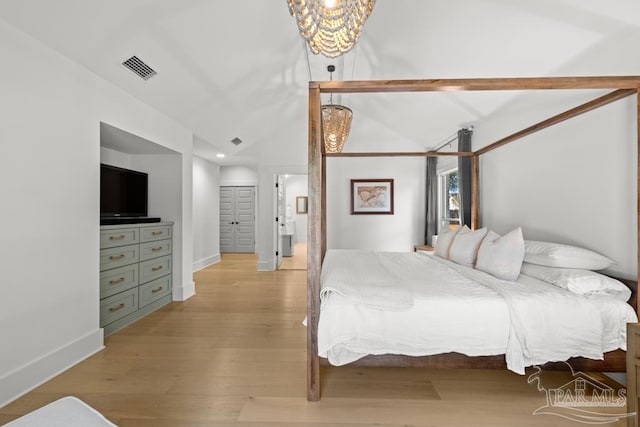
418, 304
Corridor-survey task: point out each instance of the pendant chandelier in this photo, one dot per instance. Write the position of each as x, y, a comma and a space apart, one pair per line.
331, 27
336, 122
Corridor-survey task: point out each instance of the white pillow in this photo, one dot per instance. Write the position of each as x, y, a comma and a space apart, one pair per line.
584, 282
464, 248
443, 243
564, 256
502, 256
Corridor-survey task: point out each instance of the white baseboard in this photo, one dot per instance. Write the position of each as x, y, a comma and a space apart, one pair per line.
35, 373
206, 262
265, 265
185, 292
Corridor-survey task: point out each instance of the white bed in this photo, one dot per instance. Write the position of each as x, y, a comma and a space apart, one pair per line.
417, 304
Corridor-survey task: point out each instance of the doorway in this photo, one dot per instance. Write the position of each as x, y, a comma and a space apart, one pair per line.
237, 219
292, 214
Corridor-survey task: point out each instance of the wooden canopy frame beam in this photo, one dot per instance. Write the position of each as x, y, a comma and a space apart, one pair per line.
622, 87
463, 85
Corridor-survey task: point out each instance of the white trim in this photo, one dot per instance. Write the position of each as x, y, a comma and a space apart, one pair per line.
183, 293
442, 191
232, 183
278, 182
33, 374
206, 262
266, 265
448, 171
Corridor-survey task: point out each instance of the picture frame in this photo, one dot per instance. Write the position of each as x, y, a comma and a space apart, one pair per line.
302, 204
372, 197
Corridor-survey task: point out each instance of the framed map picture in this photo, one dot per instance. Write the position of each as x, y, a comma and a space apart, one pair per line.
371, 196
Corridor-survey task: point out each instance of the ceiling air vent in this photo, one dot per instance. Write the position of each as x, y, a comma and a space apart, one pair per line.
236, 141
136, 65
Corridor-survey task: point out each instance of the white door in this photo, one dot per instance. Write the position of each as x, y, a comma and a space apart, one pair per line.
227, 219
237, 219
280, 219
245, 220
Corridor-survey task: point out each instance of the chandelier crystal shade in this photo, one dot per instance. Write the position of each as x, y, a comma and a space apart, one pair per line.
336, 124
331, 27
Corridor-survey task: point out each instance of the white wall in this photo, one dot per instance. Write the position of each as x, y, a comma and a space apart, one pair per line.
397, 232
296, 185
115, 158
574, 183
238, 175
49, 157
165, 201
206, 209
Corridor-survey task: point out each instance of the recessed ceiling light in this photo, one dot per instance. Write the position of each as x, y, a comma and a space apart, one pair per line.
219, 155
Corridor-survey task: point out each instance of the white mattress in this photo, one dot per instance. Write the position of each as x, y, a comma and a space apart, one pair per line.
459, 309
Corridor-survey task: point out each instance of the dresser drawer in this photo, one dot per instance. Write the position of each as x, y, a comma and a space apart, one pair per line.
117, 257
118, 280
154, 268
149, 234
155, 249
119, 237
154, 290
118, 306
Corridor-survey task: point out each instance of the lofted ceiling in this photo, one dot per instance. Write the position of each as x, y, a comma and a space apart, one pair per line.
230, 69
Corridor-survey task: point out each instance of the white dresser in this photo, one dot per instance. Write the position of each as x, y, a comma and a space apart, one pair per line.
135, 272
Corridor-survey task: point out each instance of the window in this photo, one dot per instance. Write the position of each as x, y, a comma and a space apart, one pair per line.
449, 198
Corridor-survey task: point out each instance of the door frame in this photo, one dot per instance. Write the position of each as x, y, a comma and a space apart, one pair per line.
277, 180
281, 221
266, 242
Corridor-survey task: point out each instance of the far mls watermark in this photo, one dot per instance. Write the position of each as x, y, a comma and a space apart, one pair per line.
583, 399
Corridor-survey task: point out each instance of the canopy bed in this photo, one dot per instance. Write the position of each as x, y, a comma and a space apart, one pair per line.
621, 87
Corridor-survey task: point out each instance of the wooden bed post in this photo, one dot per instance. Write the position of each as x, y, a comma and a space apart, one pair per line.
475, 192
323, 205
632, 331
315, 240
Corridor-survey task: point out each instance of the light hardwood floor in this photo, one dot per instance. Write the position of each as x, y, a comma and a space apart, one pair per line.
299, 259
234, 355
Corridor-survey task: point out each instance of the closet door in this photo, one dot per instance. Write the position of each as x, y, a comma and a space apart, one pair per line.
245, 220
227, 219
237, 219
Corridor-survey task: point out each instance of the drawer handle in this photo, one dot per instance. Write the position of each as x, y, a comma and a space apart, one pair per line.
156, 233
156, 249
115, 257
155, 291
120, 237
120, 307
115, 282
158, 268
